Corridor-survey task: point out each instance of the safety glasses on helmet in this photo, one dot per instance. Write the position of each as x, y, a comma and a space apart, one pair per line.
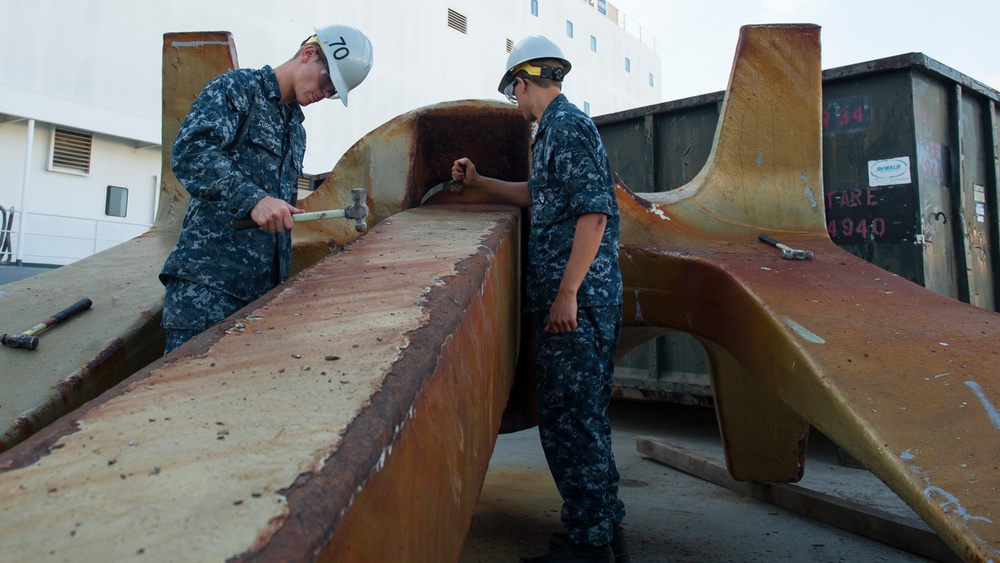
553, 73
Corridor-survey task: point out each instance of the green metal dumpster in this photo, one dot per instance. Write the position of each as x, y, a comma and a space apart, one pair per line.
910, 176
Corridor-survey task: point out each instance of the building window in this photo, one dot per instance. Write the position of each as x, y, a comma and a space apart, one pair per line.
510, 45
458, 22
534, 8
628, 65
311, 182
586, 108
71, 151
593, 43
569, 28
116, 204
651, 79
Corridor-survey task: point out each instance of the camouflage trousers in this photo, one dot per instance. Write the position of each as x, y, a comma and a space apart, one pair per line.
189, 308
575, 372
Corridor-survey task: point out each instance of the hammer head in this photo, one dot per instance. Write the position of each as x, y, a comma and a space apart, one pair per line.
358, 210
25, 341
793, 254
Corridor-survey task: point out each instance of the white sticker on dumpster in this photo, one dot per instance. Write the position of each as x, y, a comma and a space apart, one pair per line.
889, 172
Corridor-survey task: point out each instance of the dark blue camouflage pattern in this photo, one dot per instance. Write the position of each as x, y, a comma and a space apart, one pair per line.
238, 143
570, 176
575, 372
189, 308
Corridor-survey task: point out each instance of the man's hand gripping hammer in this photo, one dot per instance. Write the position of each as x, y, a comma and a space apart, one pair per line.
358, 211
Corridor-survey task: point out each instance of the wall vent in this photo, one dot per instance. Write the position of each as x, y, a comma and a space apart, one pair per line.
71, 151
510, 45
458, 21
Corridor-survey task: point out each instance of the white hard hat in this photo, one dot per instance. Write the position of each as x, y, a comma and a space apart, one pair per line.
529, 49
348, 54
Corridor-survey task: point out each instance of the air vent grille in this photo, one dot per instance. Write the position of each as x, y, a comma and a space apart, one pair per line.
71, 150
458, 21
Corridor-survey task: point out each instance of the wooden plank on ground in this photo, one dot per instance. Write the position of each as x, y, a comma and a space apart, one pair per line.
884, 527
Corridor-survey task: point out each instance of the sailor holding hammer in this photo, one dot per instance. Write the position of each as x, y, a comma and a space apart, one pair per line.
239, 154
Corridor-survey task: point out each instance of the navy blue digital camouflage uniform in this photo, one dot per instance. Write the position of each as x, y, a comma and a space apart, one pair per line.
571, 176
239, 143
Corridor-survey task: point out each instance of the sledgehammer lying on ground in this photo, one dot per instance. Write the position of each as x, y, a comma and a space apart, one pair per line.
29, 338
786, 252
357, 211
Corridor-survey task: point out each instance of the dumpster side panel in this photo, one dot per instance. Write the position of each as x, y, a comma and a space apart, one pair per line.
869, 125
974, 185
684, 141
626, 143
662, 147
993, 190
934, 174
672, 368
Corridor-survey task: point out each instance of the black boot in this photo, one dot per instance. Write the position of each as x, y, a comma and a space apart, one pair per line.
572, 553
619, 547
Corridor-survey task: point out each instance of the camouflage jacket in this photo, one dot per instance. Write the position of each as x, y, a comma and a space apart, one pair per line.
570, 176
239, 143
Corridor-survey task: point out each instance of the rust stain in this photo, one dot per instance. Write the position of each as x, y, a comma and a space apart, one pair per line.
435, 465
280, 443
68, 393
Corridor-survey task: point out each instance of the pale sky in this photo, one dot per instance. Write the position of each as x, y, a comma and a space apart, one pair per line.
696, 39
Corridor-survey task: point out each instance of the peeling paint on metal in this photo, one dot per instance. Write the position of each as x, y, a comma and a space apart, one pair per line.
810, 196
655, 210
803, 331
952, 504
637, 318
991, 410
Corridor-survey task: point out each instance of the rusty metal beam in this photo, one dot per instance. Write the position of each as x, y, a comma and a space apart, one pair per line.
363, 395
904, 379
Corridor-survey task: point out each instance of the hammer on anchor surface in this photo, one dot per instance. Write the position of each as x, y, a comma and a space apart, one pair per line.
786, 252
28, 339
357, 211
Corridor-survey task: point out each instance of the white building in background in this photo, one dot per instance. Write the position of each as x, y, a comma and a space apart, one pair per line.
80, 91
